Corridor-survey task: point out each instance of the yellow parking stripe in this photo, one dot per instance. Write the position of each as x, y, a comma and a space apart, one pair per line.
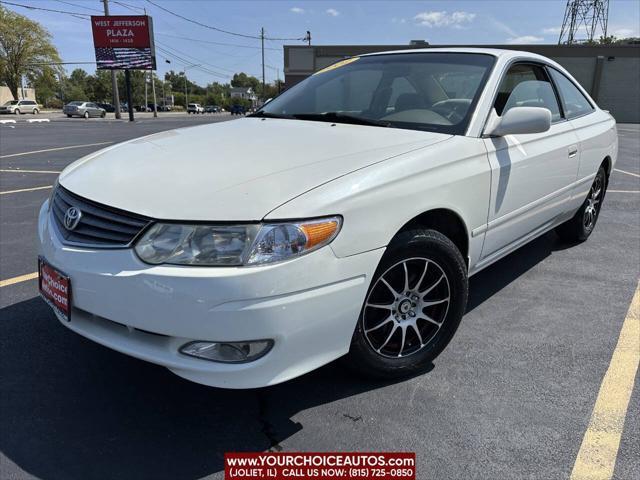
21, 278
597, 456
25, 190
16, 170
54, 149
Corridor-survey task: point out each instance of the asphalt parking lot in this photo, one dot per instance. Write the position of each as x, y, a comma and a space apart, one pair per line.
510, 398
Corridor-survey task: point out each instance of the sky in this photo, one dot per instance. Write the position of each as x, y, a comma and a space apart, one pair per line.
330, 22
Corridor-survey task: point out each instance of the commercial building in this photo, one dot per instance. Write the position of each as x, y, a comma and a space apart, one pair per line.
610, 73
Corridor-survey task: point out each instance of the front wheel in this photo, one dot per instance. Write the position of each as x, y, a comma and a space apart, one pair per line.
580, 226
103, 114
413, 307
16, 111
86, 115
35, 111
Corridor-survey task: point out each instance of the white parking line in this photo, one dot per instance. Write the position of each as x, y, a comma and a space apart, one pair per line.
55, 149
25, 190
628, 173
623, 191
16, 170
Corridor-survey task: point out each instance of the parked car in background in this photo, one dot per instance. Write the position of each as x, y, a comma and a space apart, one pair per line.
83, 109
334, 221
237, 110
195, 108
165, 108
211, 109
20, 106
107, 107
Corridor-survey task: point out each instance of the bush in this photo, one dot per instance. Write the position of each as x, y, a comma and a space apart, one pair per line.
53, 103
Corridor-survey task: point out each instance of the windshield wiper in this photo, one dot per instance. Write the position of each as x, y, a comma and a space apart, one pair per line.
337, 117
263, 114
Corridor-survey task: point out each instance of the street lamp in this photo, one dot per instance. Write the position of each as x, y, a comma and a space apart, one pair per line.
186, 94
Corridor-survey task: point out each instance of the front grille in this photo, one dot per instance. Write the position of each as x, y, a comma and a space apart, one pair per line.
100, 226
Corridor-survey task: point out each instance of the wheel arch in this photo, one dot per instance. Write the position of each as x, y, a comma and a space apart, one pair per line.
445, 221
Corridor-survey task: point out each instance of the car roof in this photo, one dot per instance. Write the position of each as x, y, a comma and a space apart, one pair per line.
496, 52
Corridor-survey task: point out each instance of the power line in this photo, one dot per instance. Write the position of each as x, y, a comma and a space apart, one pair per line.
79, 6
216, 43
189, 62
130, 7
256, 37
191, 56
75, 14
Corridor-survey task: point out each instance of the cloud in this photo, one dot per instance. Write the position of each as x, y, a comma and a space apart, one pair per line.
443, 18
524, 39
623, 32
332, 11
551, 30
297, 10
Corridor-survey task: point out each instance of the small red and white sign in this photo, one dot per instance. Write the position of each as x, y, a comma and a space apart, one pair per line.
55, 288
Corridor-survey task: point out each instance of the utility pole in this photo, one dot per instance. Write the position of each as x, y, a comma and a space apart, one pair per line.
308, 38
146, 101
153, 90
114, 81
262, 41
186, 96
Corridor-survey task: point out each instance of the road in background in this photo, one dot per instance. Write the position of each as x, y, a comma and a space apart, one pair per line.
510, 398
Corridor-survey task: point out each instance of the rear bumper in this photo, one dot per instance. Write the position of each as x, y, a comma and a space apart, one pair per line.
308, 306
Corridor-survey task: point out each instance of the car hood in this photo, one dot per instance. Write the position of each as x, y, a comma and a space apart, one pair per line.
235, 170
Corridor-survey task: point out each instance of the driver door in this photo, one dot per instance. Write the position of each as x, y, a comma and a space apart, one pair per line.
532, 174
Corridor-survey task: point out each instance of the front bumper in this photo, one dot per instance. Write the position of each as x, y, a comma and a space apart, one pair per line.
308, 306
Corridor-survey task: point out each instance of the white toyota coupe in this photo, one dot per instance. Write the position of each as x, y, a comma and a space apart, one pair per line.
343, 218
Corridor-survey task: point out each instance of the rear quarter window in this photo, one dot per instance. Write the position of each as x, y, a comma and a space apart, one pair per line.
574, 103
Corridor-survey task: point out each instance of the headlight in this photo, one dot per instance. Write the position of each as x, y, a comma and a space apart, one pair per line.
220, 245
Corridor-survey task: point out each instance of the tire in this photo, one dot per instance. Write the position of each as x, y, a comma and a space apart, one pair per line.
103, 114
581, 225
86, 115
69, 116
16, 111
401, 335
36, 111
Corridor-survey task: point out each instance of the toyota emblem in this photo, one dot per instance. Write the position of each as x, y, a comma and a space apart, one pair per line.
71, 218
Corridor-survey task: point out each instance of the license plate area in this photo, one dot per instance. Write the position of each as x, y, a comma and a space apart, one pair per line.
55, 288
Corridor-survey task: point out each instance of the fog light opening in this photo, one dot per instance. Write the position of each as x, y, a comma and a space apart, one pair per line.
227, 352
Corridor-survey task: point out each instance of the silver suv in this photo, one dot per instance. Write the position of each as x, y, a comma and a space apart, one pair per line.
20, 106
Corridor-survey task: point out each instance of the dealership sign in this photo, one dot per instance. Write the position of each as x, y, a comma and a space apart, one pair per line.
124, 42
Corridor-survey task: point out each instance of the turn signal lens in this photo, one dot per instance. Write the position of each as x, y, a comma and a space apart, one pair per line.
318, 233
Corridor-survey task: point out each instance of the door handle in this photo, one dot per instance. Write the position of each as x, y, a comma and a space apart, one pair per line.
573, 151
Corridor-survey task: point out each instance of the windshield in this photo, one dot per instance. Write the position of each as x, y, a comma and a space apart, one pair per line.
76, 103
421, 91
11, 102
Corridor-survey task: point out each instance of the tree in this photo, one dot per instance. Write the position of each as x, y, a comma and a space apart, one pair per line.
25, 48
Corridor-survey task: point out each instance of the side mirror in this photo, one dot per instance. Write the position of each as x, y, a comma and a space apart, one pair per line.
519, 120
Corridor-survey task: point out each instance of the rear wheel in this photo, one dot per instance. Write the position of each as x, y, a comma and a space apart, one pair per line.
16, 111
35, 111
68, 115
580, 226
413, 307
